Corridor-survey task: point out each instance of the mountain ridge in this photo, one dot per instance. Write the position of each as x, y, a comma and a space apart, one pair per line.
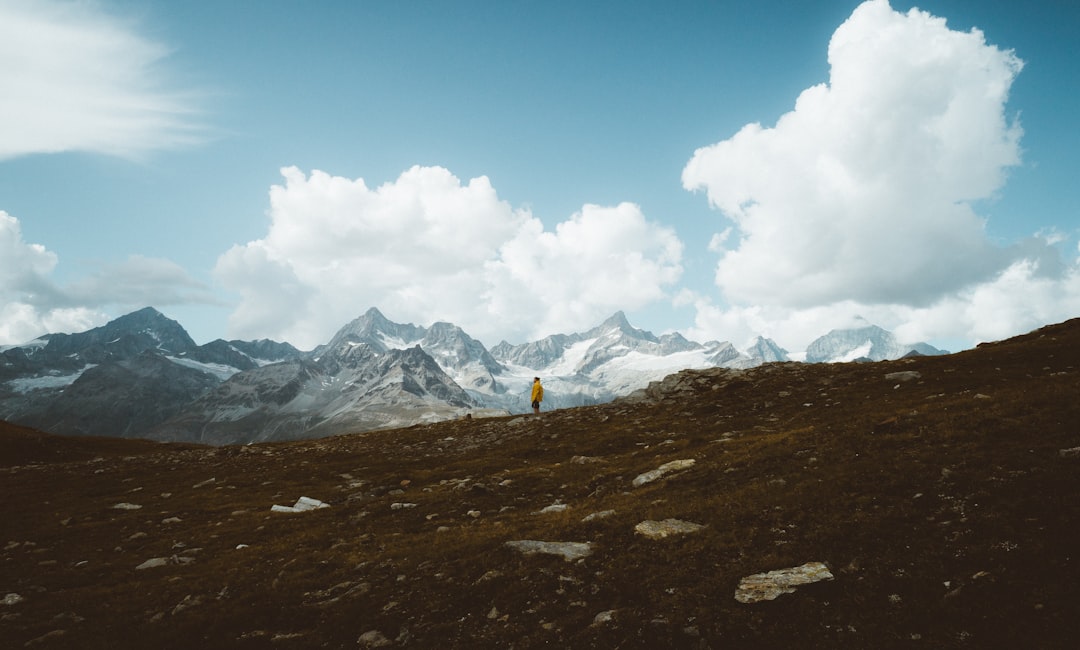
51, 382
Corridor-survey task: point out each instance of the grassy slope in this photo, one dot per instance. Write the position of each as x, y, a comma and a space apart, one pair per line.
942, 505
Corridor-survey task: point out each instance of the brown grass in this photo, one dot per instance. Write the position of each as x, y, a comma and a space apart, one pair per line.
942, 505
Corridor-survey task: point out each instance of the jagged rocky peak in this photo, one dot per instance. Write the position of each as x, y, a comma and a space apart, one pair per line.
767, 351
132, 333
617, 324
377, 331
863, 341
453, 348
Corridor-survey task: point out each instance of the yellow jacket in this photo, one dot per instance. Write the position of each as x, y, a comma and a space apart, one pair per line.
537, 392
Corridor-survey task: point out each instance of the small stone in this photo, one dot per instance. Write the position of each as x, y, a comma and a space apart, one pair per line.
604, 617
904, 375
555, 507
767, 586
569, 550
126, 506
171, 520
373, 639
152, 563
665, 528
666, 468
598, 515
12, 599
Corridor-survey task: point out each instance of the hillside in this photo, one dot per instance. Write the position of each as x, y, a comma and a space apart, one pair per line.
942, 495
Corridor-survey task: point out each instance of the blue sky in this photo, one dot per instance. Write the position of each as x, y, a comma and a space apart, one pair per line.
723, 169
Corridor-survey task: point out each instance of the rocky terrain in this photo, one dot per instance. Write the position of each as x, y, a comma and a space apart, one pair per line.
927, 502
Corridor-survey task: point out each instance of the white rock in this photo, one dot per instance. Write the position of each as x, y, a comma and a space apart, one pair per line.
666, 528
555, 507
303, 504
903, 375
666, 468
568, 550
598, 515
373, 639
767, 586
126, 506
12, 599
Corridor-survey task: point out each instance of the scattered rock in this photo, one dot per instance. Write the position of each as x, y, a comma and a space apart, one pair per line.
44, 637
126, 506
767, 586
1070, 453
303, 504
156, 562
555, 507
12, 599
604, 617
208, 481
903, 375
666, 468
402, 506
373, 639
665, 528
569, 550
598, 515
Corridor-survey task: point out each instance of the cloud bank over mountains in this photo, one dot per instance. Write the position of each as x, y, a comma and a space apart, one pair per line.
863, 200
427, 247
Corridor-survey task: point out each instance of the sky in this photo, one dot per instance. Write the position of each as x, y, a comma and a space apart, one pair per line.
723, 169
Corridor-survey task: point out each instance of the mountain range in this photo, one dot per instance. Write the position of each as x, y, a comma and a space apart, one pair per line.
142, 375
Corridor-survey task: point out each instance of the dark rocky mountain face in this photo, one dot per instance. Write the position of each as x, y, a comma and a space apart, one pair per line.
122, 398
925, 502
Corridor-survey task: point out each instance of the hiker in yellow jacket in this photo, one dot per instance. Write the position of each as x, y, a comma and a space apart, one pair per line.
537, 395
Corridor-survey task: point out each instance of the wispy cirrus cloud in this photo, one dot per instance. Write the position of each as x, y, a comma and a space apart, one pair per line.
76, 78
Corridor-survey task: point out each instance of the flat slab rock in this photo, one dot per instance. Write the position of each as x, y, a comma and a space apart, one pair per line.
767, 586
570, 551
666, 528
303, 504
666, 468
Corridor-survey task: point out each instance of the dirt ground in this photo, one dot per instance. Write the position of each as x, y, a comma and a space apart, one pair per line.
941, 493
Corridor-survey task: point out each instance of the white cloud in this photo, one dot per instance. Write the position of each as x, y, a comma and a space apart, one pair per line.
859, 200
32, 304
427, 247
861, 192
78, 79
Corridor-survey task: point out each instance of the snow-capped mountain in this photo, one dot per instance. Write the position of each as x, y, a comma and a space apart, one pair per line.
141, 375
119, 379
460, 355
867, 342
351, 387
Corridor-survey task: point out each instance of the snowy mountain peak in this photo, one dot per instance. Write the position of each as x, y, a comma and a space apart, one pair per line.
767, 351
864, 342
618, 326
376, 330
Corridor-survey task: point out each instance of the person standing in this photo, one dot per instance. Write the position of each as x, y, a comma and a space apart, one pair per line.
537, 395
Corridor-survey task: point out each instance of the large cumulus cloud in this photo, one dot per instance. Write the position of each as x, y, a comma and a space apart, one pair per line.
428, 247
860, 199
